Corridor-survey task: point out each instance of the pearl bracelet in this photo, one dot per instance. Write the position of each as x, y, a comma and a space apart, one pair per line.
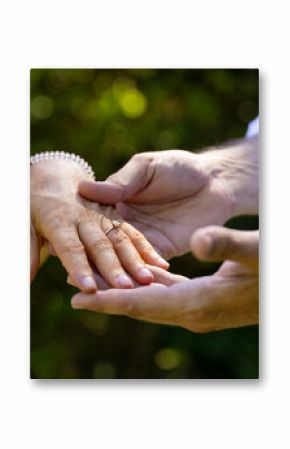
62, 155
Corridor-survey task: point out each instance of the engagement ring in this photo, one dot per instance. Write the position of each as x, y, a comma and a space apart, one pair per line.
115, 224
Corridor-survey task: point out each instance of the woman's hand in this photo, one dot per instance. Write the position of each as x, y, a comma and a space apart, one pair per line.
80, 232
34, 252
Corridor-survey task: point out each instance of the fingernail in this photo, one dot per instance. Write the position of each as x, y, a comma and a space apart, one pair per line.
146, 274
88, 283
124, 281
162, 261
76, 304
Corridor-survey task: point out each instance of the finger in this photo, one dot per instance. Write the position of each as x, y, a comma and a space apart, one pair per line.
103, 255
129, 256
181, 304
216, 243
69, 249
34, 253
155, 237
164, 277
101, 192
71, 282
122, 185
144, 248
143, 303
160, 277
101, 283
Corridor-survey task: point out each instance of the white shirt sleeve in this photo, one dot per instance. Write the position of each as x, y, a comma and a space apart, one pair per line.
253, 128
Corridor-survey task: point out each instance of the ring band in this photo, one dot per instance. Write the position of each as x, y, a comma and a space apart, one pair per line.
115, 224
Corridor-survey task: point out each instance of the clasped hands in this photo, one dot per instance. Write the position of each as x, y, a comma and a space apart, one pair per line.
177, 201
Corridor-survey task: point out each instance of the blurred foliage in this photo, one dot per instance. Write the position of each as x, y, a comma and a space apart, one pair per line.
106, 116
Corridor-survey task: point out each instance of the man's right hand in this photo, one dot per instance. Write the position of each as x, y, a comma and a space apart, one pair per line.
167, 195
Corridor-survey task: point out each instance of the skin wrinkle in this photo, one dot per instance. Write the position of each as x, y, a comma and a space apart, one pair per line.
147, 175
231, 172
150, 172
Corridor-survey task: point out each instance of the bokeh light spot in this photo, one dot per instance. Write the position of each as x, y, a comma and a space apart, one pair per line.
42, 107
133, 103
168, 358
97, 323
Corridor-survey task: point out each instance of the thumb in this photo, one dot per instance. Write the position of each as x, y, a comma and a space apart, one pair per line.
122, 185
215, 243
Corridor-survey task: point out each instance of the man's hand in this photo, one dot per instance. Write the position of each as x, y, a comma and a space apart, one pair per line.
80, 233
227, 299
167, 195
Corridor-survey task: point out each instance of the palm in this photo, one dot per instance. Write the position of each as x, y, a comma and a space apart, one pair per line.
169, 223
166, 195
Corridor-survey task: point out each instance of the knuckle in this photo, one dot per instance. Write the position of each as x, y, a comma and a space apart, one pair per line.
101, 245
143, 158
58, 221
220, 247
131, 309
118, 238
71, 246
139, 157
136, 234
61, 214
87, 221
146, 251
141, 241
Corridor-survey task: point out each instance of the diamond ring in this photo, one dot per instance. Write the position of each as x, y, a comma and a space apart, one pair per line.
115, 224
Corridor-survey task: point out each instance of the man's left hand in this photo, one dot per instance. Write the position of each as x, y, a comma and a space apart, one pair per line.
227, 299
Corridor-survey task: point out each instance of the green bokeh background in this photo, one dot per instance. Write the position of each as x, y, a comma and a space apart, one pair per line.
106, 116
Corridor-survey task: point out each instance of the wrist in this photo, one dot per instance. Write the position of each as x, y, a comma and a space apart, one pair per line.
57, 175
234, 171
54, 183
63, 156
